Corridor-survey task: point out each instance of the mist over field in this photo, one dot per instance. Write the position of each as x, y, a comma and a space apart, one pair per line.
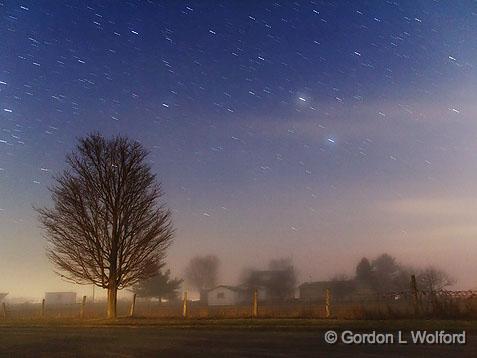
318, 132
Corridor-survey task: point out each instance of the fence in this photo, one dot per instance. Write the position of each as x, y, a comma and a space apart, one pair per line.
442, 304
411, 303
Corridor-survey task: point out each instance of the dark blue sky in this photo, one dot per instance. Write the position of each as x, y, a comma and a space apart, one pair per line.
317, 130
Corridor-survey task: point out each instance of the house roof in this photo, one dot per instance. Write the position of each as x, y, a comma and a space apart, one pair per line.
314, 284
60, 292
232, 288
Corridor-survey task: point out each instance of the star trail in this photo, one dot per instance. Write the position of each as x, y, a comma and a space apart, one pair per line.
317, 130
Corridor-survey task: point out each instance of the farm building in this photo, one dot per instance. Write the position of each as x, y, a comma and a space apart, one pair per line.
275, 285
313, 291
316, 291
224, 295
340, 290
60, 298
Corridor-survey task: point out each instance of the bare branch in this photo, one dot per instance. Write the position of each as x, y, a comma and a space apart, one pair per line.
107, 225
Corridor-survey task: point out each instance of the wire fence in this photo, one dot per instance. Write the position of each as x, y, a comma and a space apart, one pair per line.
437, 293
391, 305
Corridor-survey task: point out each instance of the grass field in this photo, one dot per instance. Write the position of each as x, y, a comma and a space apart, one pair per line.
216, 338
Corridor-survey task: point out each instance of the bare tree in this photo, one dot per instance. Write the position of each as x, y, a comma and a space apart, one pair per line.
107, 226
202, 272
432, 279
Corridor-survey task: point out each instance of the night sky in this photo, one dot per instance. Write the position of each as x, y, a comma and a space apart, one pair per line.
320, 131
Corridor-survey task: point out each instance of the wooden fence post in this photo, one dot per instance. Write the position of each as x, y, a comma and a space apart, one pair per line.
414, 292
133, 306
255, 304
328, 303
185, 310
4, 310
43, 308
83, 304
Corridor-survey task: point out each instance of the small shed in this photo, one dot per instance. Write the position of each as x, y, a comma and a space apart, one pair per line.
60, 298
224, 295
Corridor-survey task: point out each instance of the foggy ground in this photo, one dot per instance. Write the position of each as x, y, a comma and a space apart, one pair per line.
228, 339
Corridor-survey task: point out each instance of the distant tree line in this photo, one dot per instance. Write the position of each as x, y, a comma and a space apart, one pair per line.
385, 274
160, 287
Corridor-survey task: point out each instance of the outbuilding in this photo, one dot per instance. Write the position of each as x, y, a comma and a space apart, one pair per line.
224, 295
60, 298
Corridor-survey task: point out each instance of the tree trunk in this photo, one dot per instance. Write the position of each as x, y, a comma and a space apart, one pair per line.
112, 302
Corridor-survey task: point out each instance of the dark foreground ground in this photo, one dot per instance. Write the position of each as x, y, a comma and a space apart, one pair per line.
227, 338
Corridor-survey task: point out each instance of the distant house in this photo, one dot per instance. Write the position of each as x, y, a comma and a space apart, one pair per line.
60, 298
2, 296
316, 291
313, 291
276, 285
270, 285
224, 295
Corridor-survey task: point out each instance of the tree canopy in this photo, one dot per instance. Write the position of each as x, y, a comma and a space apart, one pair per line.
108, 225
202, 272
386, 274
161, 286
